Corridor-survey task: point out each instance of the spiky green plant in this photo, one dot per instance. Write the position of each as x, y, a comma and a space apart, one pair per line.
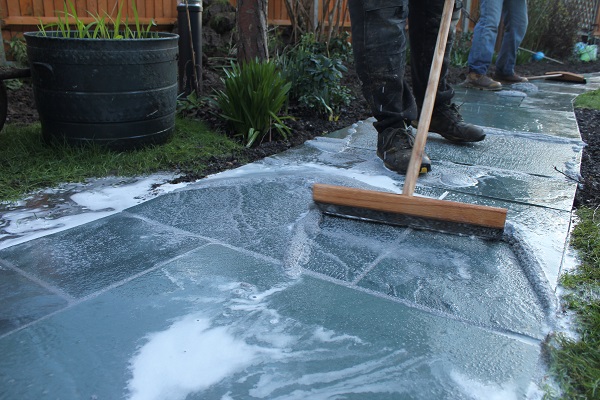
102, 27
254, 94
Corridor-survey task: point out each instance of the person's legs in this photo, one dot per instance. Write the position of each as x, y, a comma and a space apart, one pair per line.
484, 36
515, 26
424, 24
379, 43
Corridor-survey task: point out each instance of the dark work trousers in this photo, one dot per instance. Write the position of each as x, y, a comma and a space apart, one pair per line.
380, 42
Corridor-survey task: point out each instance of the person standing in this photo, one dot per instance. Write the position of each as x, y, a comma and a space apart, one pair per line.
514, 15
379, 41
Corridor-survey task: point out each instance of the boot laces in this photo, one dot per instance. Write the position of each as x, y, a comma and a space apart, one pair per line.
397, 139
452, 112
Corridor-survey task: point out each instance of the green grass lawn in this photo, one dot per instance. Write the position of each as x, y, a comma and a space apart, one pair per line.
575, 363
28, 164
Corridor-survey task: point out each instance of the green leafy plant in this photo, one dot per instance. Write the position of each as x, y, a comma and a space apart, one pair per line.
315, 77
461, 47
188, 104
253, 97
102, 27
18, 50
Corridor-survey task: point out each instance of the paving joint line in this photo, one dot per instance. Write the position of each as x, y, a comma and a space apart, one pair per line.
46, 285
522, 337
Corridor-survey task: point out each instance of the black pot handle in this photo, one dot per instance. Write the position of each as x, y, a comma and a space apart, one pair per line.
44, 70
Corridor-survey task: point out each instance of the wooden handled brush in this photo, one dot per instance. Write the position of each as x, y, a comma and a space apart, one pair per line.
406, 209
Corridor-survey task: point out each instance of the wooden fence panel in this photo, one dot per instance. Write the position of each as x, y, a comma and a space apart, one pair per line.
16, 14
29, 12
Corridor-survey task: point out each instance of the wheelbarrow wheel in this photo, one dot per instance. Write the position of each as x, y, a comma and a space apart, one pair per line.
3, 104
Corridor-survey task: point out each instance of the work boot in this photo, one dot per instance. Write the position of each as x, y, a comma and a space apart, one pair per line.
394, 147
514, 78
447, 121
483, 82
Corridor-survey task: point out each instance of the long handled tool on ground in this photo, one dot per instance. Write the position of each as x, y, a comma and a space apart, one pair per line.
538, 55
405, 209
560, 76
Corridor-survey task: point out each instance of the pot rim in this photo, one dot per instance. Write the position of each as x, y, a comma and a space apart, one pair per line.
57, 35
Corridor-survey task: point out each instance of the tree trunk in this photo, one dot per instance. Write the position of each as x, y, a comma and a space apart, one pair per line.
252, 30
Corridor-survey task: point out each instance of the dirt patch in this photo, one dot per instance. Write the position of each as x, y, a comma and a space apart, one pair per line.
307, 125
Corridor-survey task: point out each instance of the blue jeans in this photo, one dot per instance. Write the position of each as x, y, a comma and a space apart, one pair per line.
514, 13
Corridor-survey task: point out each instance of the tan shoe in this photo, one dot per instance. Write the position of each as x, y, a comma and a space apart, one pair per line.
514, 78
483, 82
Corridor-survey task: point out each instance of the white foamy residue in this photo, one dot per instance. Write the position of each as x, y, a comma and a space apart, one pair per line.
195, 353
378, 181
245, 348
93, 200
484, 391
188, 357
326, 335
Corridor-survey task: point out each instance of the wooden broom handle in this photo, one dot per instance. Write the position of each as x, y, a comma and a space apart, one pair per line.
414, 166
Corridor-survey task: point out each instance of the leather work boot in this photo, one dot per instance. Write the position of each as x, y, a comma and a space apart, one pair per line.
447, 121
483, 82
394, 147
514, 78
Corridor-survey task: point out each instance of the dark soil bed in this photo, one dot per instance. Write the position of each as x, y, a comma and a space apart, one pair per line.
307, 125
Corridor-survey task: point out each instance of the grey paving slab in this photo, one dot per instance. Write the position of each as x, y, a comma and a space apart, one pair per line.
23, 300
549, 101
85, 259
531, 98
522, 119
539, 234
509, 173
550, 86
255, 215
218, 323
530, 153
472, 280
464, 96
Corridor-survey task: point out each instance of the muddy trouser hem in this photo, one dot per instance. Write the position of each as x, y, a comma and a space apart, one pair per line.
379, 41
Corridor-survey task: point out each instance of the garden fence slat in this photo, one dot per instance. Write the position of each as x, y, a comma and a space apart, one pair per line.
91, 7
58, 6
148, 8
80, 6
102, 6
38, 7
25, 7
141, 8
48, 7
112, 7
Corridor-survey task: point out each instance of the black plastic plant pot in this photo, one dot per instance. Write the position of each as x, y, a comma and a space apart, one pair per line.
119, 93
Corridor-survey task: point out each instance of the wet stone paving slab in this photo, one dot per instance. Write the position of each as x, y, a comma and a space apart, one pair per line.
238, 287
